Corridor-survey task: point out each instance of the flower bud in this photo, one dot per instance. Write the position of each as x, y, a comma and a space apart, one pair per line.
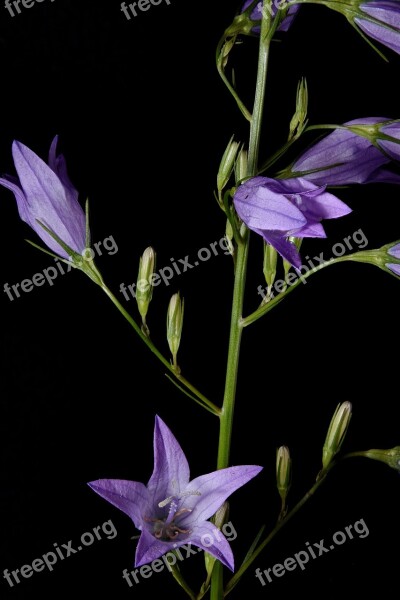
269, 266
174, 325
336, 433
222, 515
227, 164
241, 166
283, 471
299, 119
144, 285
229, 238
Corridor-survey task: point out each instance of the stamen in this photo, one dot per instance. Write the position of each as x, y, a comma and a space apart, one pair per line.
181, 495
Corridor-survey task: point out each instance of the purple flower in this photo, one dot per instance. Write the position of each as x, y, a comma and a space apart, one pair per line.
381, 21
256, 14
395, 252
279, 208
345, 157
45, 193
392, 148
171, 510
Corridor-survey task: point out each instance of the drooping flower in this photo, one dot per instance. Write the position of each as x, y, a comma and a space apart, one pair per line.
171, 510
348, 156
45, 194
381, 21
256, 14
277, 209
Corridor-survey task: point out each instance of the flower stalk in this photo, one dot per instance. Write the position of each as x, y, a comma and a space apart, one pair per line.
236, 328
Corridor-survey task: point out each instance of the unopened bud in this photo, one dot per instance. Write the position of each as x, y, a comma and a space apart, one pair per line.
269, 265
241, 166
227, 164
299, 119
336, 432
144, 285
175, 325
283, 471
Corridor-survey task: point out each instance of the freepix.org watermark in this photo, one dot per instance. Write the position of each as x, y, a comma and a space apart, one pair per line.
357, 241
49, 275
141, 6
313, 551
177, 268
49, 559
185, 551
14, 6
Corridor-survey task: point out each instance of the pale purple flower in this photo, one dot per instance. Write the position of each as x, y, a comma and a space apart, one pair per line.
395, 252
277, 209
171, 510
381, 21
45, 194
256, 14
344, 157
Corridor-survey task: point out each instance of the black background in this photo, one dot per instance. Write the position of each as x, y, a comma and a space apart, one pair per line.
143, 120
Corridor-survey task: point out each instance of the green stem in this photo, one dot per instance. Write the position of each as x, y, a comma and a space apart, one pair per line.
266, 307
158, 354
235, 579
226, 417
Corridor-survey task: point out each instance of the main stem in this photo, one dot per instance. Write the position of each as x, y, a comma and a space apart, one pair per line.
235, 337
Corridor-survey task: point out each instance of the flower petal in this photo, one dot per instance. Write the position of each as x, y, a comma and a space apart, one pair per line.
286, 249
387, 11
382, 175
132, 497
149, 548
313, 230
380, 33
341, 158
260, 204
211, 540
395, 251
59, 166
394, 267
20, 197
48, 202
171, 470
214, 488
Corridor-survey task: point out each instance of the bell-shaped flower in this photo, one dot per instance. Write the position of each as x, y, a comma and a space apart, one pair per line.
46, 197
171, 510
352, 155
278, 209
381, 21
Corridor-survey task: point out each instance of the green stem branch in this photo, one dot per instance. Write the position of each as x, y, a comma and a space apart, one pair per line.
237, 576
205, 401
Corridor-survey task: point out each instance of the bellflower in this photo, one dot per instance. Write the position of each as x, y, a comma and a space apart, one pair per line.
171, 510
256, 14
381, 21
45, 194
345, 156
277, 209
